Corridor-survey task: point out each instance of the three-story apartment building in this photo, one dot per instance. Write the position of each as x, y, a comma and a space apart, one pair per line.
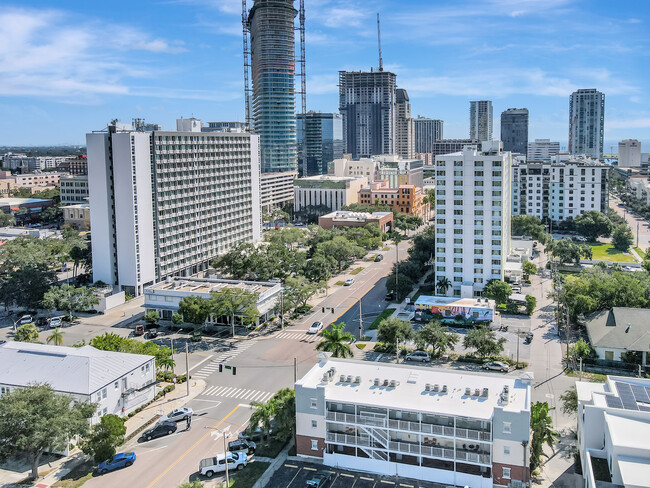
430, 424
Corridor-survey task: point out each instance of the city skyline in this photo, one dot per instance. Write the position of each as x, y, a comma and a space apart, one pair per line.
68, 70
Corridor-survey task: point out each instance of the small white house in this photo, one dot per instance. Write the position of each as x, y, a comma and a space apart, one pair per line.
619, 330
118, 382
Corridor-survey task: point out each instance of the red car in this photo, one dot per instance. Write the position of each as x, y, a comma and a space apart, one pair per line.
139, 330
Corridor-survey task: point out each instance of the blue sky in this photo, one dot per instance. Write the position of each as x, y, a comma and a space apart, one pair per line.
69, 67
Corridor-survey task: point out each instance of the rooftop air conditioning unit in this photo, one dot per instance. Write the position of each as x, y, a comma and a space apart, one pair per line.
376, 381
393, 383
485, 392
385, 382
444, 388
349, 378
357, 379
342, 378
436, 387
427, 387
326, 377
468, 391
477, 392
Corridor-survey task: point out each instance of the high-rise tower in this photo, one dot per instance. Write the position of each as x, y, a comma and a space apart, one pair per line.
587, 122
405, 131
271, 24
367, 103
480, 120
514, 130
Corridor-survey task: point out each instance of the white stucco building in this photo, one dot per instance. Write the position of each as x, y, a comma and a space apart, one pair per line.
542, 150
165, 203
332, 192
472, 217
629, 153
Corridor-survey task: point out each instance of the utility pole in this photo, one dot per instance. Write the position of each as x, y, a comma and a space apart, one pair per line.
396, 350
225, 453
360, 321
517, 367
187, 369
637, 234
282, 309
295, 370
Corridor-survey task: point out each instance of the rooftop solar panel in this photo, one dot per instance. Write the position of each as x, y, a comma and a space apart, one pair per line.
613, 402
640, 394
626, 396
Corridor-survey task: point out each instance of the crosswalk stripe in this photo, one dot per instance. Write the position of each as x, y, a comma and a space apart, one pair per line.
242, 394
219, 389
257, 396
231, 392
207, 392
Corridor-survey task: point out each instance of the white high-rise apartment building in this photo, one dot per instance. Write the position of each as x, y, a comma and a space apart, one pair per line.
472, 216
405, 129
557, 191
166, 203
587, 122
480, 120
543, 150
629, 153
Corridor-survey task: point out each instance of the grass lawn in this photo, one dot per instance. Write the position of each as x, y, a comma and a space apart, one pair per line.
387, 312
247, 477
640, 252
606, 252
340, 283
270, 451
77, 477
361, 346
358, 270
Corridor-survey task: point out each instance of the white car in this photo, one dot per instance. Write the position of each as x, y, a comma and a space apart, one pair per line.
209, 466
55, 322
177, 415
315, 328
349, 281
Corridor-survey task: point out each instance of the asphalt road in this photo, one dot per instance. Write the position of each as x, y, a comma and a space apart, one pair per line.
372, 304
638, 224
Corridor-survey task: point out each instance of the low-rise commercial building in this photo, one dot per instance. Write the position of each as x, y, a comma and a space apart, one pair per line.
32, 206
77, 215
165, 296
455, 428
276, 189
74, 166
326, 192
74, 189
407, 199
118, 382
345, 218
543, 150
613, 431
475, 310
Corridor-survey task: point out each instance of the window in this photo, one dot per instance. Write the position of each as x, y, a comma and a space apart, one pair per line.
314, 424
506, 473
507, 428
116, 385
104, 393
506, 450
314, 447
609, 355
314, 403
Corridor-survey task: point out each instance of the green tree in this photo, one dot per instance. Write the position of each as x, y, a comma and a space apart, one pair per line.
56, 337
568, 251
531, 303
437, 337
191, 484
528, 268
541, 425
151, 317
319, 268
581, 349
569, 401
622, 237
26, 333
443, 284
7, 220
234, 301
36, 419
298, 290
485, 341
528, 225
194, 309
104, 438
593, 224
341, 250
404, 286
177, 319
70, 299
498, 291
336, 341
392, 329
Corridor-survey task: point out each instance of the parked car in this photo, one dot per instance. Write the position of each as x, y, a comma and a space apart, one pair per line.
178, 414
379, 257
349, 281
319, 480
242, 445
516, 289
389, 296
529, 338
153, 333
209, 466
55, 322
422, 356
165, 427
139, 330
25, 319
119, 461
315, 327
197, 336
275, 280
42, 322
496, 366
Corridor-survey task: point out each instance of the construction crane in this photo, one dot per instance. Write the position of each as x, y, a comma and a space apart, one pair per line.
303, 84
247, 65
381, 61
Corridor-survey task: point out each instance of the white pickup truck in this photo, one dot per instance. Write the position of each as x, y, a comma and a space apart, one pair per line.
209, 466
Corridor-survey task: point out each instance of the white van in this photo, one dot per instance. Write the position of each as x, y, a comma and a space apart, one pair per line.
209, 466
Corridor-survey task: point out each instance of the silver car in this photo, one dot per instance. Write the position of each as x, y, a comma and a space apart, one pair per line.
178, 414
421, 356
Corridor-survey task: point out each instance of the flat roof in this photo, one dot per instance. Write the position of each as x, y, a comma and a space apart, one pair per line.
80, 370
410, 393
349, 215
634, 471
427, 300
23, 201
626, 432
208, 285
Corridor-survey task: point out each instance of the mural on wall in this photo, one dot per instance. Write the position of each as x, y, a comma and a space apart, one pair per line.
474, 314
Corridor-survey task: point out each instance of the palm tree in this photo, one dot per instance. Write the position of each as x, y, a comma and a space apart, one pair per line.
56, 338
443, 285
542, 426
336, 341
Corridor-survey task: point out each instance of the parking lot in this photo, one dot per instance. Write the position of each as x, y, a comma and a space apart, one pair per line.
296, 474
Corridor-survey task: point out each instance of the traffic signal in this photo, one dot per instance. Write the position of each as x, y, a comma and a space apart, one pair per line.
234, 370
332, 309
323, 309
220, 368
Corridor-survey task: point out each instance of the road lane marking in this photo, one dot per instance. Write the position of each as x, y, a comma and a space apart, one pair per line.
172, 465
208, 408
199, 364
152, 450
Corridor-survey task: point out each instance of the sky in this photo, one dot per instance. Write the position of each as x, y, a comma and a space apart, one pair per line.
69, 67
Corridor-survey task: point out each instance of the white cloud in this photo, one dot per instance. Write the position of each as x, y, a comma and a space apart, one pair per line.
48, 53
640, 123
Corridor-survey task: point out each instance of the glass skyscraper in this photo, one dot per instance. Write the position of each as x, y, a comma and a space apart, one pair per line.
324, 142
514, 130
271, 25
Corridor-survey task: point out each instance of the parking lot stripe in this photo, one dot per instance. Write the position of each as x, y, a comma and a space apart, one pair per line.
388, 482
291, 466
407, 486
366, 479
306, 468
347, 475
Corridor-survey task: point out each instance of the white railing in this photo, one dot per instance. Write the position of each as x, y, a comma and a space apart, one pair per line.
437, 429
472, 434
371, 420
341, 438
439, 452
404, 425
348, 418
405, 447
473, 457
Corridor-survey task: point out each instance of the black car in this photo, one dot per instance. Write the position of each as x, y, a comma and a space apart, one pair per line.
379, 257
160, 429
389, 296
242, 445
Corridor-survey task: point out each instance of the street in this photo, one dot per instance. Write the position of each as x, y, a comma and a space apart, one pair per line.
638, 224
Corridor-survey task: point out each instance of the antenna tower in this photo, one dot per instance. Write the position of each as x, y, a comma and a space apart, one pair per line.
247, 66
303, 84
381, 61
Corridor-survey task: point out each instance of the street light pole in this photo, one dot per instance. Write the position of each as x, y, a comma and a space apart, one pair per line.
187, 369
225, 456
360, 321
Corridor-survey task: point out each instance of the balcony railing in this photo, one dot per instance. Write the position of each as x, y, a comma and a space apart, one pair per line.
473, 434
473, 457
348, 418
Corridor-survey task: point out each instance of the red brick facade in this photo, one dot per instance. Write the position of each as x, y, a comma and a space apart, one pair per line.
516, 473
303, 446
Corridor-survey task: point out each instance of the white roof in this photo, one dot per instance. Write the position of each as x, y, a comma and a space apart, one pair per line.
634, 471
80, 370
629, 433
410, 393
427, 300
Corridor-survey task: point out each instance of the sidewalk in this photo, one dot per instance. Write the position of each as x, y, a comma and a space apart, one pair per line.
59, 468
